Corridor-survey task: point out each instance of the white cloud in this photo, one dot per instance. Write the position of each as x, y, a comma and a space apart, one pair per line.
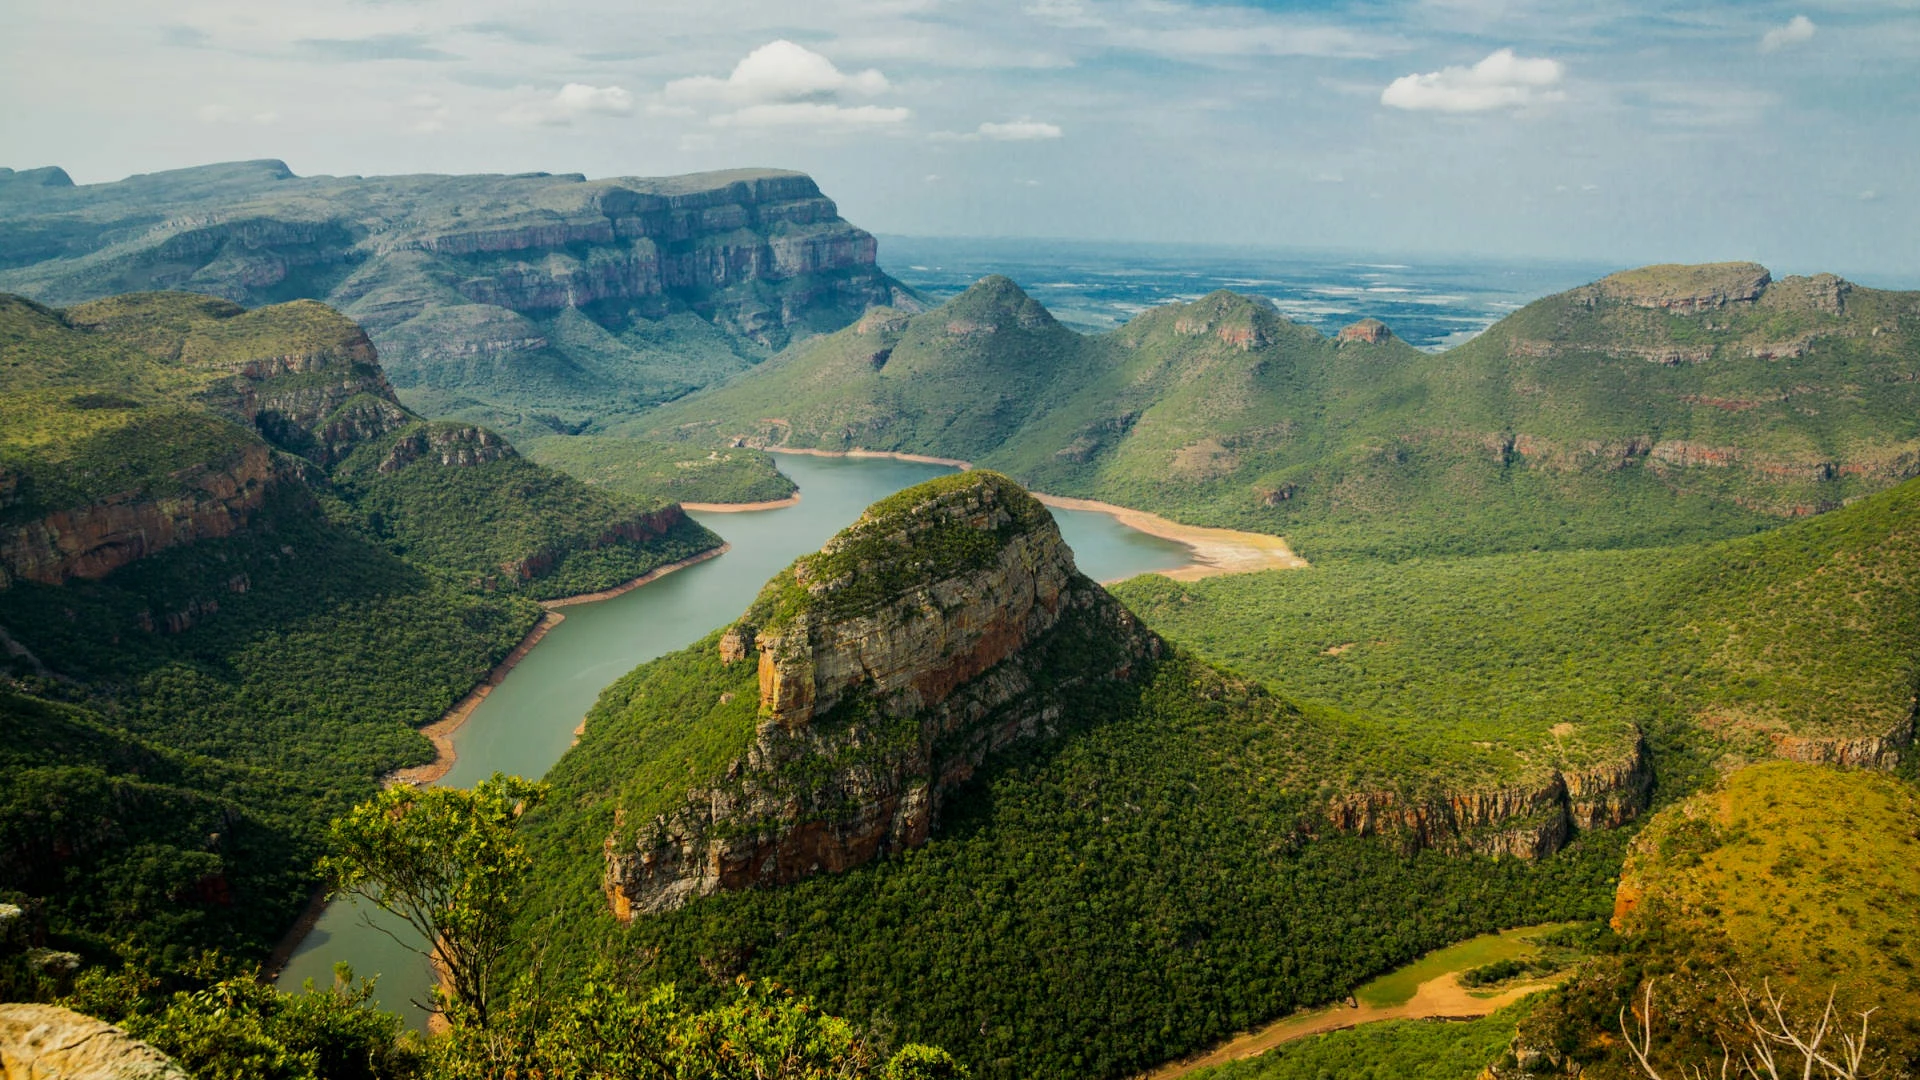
574, 101
1022, 130
1501, 81
811, 114
1798, 29
775, 72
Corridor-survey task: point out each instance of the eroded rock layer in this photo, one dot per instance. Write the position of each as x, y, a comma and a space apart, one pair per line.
929, 635
1529, 819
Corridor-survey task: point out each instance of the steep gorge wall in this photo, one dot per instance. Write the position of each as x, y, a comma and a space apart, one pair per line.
94, 540
1529, 819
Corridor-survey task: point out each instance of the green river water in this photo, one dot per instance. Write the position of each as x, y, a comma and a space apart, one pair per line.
527, 722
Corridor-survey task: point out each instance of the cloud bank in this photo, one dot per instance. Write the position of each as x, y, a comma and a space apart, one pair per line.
1501, 81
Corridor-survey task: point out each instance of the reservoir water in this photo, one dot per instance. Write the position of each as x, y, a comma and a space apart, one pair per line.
528, 721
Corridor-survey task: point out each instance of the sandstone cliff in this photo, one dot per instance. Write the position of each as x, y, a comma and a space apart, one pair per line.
1528, 819
459, 279
929, 635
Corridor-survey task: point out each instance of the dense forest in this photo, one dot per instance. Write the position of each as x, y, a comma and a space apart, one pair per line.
289, 574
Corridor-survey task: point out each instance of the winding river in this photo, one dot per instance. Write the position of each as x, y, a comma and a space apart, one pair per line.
528, 721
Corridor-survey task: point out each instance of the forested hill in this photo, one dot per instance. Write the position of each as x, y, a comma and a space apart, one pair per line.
1655, 406
532, 302
235, 575
1017, 821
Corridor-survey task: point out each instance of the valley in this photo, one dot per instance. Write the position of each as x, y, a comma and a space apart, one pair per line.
793, 585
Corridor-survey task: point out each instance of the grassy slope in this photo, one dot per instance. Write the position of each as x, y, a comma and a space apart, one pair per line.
641, 469
1799, 874
1535, 435
1808, 630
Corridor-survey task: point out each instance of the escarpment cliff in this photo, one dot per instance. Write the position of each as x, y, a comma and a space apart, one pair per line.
96, 538
466, 282
1529, 819
942, 627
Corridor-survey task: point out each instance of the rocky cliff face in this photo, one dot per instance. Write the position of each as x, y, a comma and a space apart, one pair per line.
762, 255
1528, 820
891, 666
94, 540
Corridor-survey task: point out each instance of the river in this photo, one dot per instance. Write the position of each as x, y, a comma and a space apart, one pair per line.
527, 722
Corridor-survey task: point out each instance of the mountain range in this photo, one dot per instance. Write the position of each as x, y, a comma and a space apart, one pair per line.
1654, 406
533, 303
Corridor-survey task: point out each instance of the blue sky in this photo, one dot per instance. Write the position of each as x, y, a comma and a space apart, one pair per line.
1625, 132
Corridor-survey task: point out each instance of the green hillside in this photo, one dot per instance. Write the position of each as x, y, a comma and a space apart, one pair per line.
1804, 640
235, 577
1801, 876
1653, 407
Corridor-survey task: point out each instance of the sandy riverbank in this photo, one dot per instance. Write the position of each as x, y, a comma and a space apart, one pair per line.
1215, 551
737, 508
441, 731
1441, 998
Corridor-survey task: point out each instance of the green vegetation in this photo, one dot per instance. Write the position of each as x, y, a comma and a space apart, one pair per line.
1510, 952
254, 631
1091, 905
1489, 666
504, 522
1801, 876
1581, 421
181, 804
1387, 1050
449, 863
650, 471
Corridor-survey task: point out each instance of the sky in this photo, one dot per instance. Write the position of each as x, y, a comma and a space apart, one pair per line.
1626, 132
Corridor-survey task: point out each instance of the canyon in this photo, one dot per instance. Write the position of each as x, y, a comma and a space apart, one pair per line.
477, 284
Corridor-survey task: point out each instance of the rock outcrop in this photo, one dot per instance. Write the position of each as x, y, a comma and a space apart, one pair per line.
46, 1042
1366, 331
1686, 288
1528, 820
94, 540
937, 630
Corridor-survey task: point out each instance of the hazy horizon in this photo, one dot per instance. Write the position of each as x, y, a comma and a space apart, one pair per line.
1785, 133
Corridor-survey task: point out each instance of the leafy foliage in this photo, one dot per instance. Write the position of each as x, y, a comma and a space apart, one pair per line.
230, 1025
1090, 905
448, 862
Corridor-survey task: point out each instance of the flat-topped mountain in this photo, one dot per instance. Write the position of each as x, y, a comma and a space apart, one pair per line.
534, 300
235, 576
1657, 405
